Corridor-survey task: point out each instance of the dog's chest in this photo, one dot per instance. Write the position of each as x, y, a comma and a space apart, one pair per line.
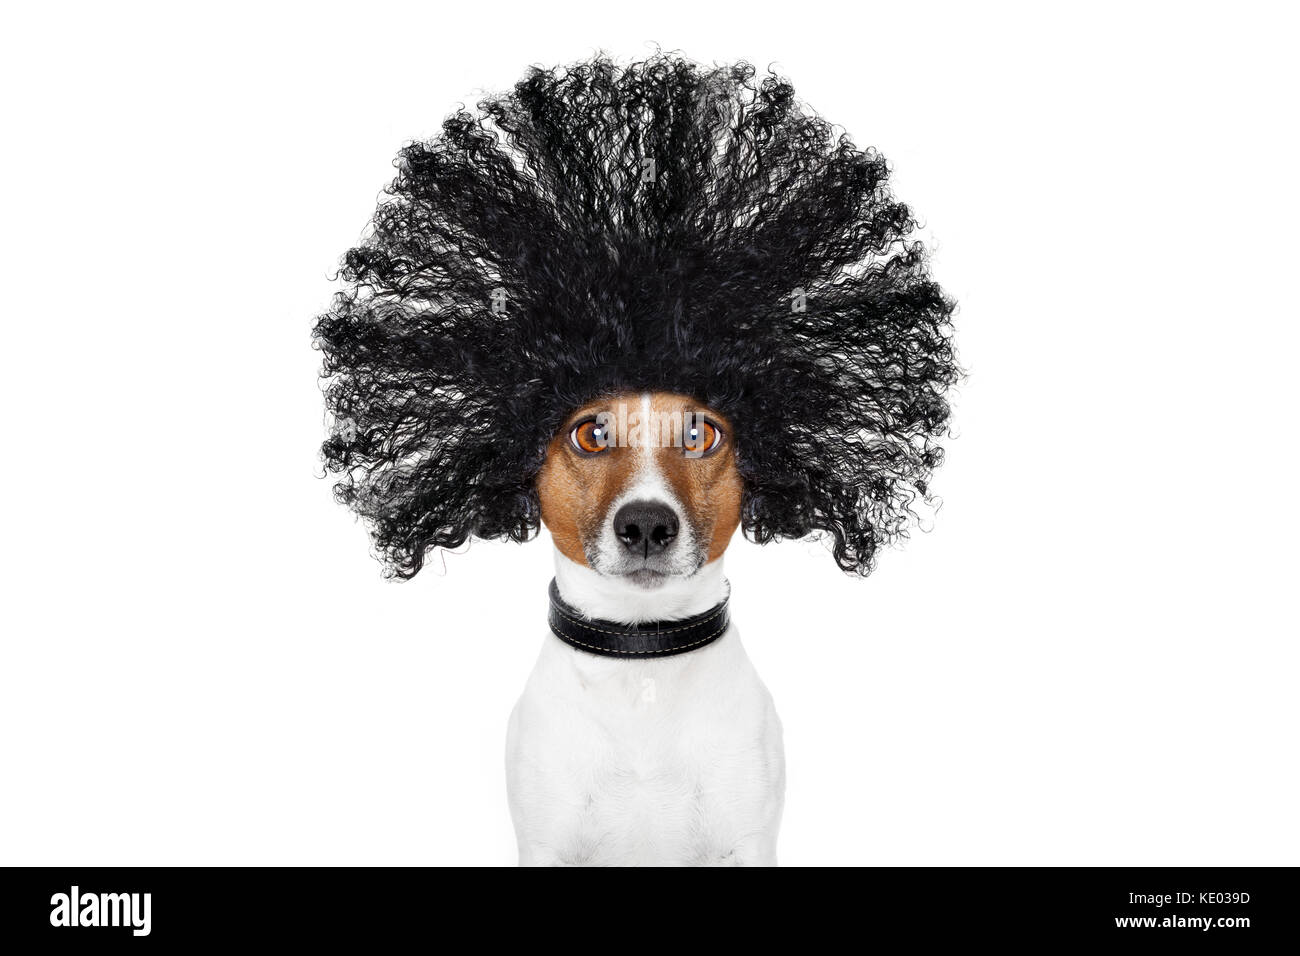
672, 761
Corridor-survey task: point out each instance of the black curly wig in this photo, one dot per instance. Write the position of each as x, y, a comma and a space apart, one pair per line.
650, 226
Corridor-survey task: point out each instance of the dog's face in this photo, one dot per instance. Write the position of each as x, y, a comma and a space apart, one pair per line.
642, 486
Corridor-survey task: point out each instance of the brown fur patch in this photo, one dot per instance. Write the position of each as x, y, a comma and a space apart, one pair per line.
576, 491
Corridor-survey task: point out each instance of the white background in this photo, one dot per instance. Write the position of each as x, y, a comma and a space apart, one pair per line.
1091, 659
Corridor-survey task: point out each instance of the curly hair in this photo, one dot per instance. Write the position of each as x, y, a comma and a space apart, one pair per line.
660, 225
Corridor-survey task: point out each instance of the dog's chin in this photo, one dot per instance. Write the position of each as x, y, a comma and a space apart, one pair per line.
648, 579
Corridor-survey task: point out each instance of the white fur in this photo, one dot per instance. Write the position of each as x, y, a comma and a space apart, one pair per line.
647, 484
666, 761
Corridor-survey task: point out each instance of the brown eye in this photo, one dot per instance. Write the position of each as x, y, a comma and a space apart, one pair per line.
589, 437
702, 437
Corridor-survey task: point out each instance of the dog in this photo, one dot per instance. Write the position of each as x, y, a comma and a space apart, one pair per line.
644, 306
640, 757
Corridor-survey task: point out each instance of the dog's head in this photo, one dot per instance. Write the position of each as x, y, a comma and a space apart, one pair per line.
642, 486
661, 227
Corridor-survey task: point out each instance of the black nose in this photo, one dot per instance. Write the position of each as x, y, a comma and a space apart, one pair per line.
645, 527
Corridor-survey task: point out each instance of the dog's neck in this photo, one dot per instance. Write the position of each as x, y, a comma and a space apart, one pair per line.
612, 599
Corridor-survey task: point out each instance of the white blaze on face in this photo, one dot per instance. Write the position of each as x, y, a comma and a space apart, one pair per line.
648, 483
647, 471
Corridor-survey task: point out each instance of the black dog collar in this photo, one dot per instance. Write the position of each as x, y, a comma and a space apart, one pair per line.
656, 639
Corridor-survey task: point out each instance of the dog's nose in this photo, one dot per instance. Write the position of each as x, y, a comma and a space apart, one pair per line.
645, 527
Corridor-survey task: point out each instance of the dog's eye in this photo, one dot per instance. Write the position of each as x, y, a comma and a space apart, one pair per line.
589, 437
702, 437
